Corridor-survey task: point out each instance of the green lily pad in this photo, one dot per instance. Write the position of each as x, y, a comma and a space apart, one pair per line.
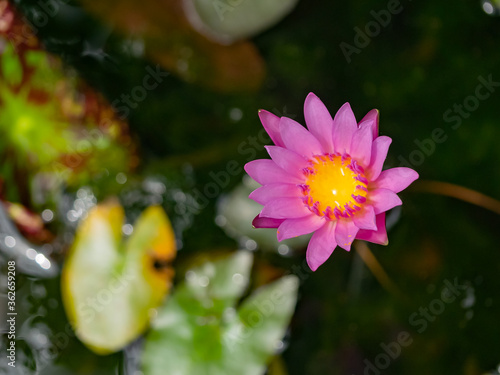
110, 288
228, 21
202, 331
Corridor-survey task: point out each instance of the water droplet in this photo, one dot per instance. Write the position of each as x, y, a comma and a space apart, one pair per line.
79, 205
127, 229
121, 178
47, 215
229, 313
190, 275
235, 114
72, 215
250, 244
10, 241
283, 249
31, 253
82, 193
203, 281
220, 220
154, 187
490, 8
179, 196
238, 278
137, 47
42, 261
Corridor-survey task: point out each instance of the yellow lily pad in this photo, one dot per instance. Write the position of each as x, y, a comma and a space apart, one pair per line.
111, 287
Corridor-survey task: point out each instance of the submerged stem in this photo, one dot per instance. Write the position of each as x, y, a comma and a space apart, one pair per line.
376, 268
458, 192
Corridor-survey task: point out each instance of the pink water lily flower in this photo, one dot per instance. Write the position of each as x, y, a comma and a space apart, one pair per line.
327, 180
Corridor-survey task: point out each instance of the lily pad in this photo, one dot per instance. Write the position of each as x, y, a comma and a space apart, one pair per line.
201, 330
111, 287
228, 21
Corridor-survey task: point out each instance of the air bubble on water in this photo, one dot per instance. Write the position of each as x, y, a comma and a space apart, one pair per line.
47, 215
203, 281
121, 178
238, 278
220, 220
10, 241
250, 244
31, 253
127, 229
191, 275
283, 249
235, 114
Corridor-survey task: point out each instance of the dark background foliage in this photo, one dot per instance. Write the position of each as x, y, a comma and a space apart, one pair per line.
430, 57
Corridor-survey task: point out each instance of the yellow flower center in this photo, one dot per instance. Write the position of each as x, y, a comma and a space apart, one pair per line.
335, 186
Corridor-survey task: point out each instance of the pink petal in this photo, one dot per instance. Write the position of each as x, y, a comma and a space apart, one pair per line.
383, 200
267, 193
361, 145
345, 233
376, 236
298, 139
395, 179
380, 147
297, 227
319, 121
321, 245
288, 160
266, 222
344, 126
366, 218
285, 208
271, 124
371, 120
265, 171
